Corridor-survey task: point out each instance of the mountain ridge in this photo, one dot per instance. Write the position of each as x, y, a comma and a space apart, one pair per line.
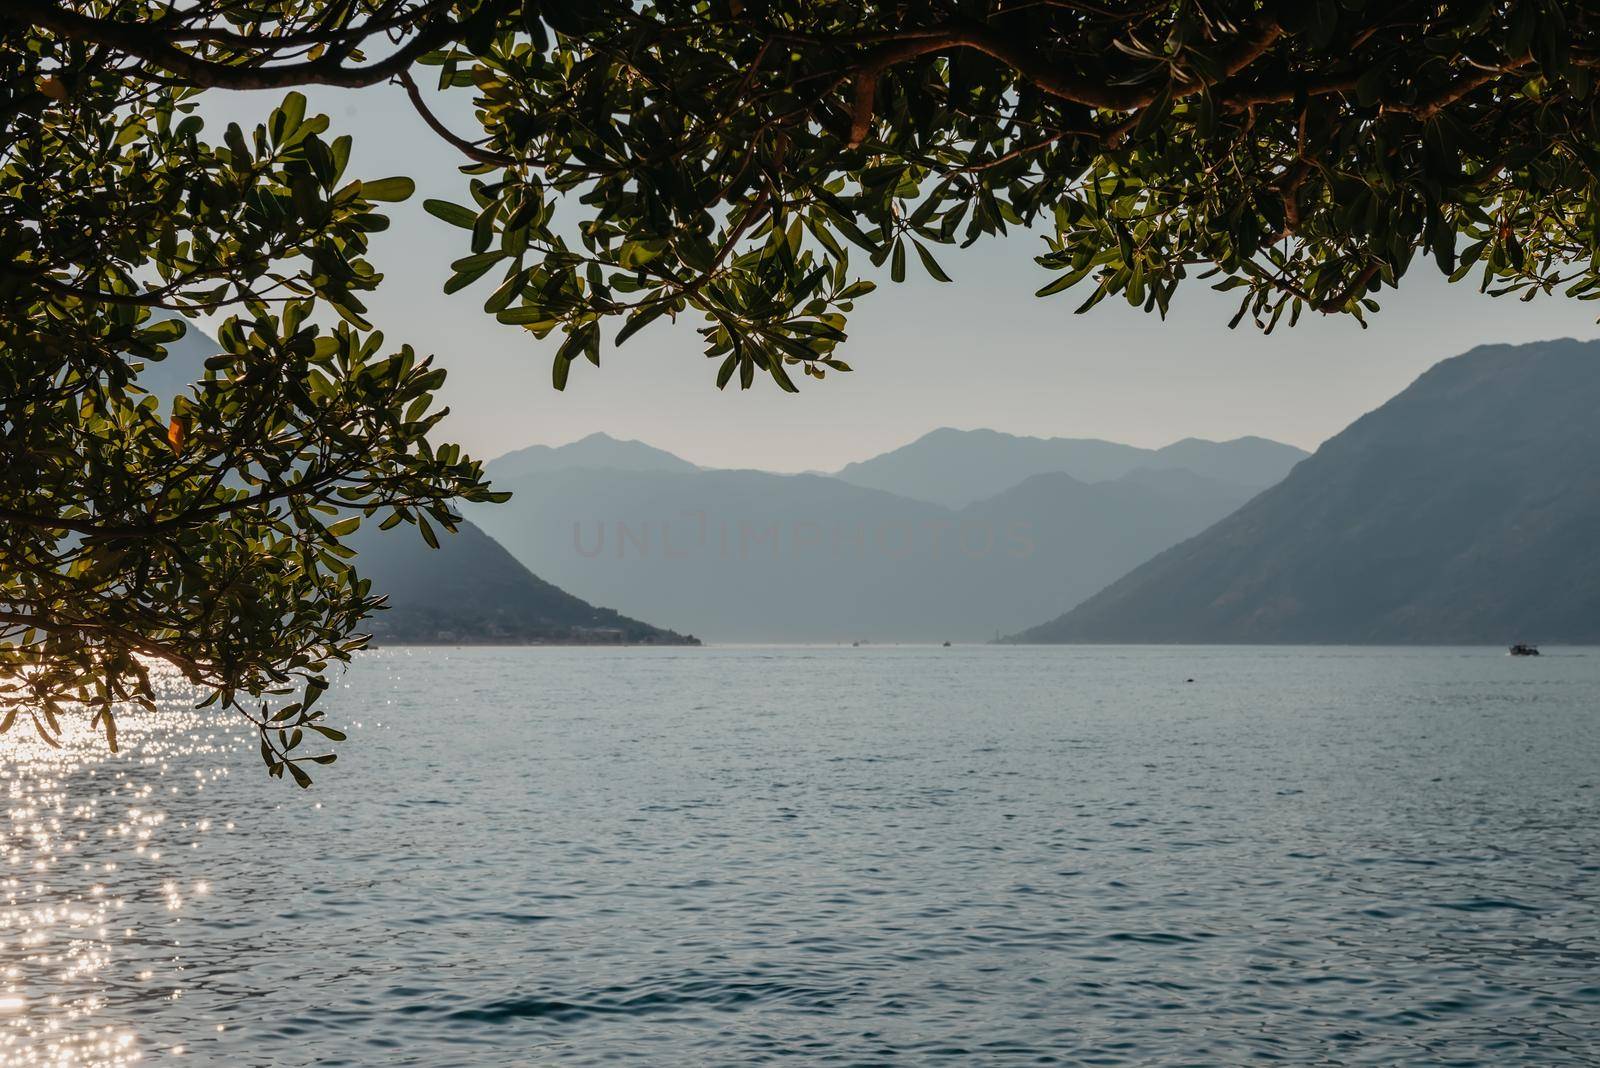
1458, 512
597, 450
752, 555
957, 467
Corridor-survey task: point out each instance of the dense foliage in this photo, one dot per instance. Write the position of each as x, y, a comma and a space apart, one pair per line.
638, 160
202, 532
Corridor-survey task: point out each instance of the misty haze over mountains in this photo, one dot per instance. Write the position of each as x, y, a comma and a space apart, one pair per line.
1463, 510
751, 555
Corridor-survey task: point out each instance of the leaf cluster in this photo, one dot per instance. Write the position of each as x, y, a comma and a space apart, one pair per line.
204, 528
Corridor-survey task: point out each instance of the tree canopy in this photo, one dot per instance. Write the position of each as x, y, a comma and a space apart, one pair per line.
640, 160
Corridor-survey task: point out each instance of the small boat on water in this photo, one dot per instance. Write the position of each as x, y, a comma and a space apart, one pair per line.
1523, 649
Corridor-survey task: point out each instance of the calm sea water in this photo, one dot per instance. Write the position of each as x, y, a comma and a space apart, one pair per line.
833, 856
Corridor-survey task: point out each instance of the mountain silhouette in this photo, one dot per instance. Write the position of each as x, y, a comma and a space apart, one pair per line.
596, 450
957, 467
471, 591
1462, 511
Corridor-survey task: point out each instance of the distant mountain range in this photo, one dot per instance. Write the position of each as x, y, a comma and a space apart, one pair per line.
1461, 511
755, 556
957, 467
469, 590
1465, 510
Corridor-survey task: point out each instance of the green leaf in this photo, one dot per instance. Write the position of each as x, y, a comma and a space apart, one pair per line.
930, 264
779, 375
390, 189
166, 331
638, 321
526, 315
454, 214
462, 279
725, 372
1065, 282
293, 112
505, 293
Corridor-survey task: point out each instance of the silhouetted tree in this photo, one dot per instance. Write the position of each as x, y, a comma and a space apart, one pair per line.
640, 160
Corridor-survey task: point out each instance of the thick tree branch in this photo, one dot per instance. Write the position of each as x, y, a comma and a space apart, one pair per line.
1039, 70
1048, 75
149, 43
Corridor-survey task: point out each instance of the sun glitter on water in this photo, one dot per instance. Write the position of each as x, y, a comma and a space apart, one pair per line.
76, 957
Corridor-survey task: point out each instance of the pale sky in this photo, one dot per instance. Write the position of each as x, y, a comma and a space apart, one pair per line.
981, 352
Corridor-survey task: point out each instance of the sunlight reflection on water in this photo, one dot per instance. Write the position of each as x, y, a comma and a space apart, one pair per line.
66, 922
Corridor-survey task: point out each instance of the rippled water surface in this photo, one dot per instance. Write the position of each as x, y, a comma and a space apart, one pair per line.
836, 856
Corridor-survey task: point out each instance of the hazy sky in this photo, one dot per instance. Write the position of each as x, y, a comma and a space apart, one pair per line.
981, 352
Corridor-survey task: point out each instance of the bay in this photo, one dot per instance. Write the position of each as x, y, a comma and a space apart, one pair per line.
875, 855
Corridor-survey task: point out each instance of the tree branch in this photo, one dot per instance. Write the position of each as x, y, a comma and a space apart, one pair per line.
467, 148
148, 43
1042, 71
